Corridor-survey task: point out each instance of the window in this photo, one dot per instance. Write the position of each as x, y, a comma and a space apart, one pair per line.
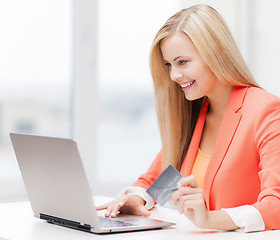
36, 81
128, 134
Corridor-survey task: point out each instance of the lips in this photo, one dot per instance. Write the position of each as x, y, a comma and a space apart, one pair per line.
187, 85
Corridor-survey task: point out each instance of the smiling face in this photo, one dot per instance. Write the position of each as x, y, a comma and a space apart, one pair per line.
187, 68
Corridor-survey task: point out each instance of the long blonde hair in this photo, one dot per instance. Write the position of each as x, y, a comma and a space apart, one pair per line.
176, 115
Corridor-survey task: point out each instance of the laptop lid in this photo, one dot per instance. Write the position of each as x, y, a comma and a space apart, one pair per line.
57, 186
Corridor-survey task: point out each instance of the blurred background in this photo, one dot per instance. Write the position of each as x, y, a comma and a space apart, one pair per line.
80, 69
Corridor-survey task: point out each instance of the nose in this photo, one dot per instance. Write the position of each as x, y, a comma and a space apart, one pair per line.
175, 74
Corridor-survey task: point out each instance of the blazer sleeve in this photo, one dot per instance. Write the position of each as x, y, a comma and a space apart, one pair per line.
268, 145
146, 179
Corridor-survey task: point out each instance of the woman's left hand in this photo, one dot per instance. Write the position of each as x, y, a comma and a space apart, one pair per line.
190, 201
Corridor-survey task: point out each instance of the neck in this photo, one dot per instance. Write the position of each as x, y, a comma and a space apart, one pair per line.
220, 99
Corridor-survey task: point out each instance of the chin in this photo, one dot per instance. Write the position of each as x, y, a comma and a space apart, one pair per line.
191, 98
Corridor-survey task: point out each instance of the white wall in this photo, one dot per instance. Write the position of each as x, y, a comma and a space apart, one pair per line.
265, 41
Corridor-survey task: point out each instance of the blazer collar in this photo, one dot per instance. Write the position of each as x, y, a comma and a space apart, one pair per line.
227, 130
237, 98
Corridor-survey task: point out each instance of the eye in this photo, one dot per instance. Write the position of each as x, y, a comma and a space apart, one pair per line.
167, 64
182, 62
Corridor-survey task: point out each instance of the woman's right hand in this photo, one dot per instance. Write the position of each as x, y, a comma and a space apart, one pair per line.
131, 204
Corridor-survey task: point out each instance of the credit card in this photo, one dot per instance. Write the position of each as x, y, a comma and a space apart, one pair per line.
162, 189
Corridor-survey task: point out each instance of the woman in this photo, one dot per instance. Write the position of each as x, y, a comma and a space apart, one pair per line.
218, 128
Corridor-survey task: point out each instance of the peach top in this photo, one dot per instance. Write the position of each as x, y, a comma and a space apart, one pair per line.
200, 167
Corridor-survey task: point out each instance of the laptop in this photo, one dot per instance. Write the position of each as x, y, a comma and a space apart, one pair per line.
58, 189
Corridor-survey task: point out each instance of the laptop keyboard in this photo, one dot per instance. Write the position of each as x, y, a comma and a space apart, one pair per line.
107, 222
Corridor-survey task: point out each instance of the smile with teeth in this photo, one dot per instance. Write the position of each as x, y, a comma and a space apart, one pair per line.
185, 85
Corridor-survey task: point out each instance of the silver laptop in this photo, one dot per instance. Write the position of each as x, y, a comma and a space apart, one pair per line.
58, 188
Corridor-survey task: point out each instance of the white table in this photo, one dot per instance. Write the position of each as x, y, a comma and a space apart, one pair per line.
17, 222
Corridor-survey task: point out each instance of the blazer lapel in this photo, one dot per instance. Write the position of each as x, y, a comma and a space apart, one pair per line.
227, 130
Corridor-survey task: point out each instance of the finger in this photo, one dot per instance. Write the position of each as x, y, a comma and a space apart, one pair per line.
184, 191
195, 196
102, 207
143, 211
108, 205
105, 205
109, 210
116, 208
188, 181
177, 194
194, 205
188, 208
184, 200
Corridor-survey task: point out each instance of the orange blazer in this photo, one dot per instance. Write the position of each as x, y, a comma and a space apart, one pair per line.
244, 168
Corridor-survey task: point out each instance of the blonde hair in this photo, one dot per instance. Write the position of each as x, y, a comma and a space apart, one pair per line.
176, 115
